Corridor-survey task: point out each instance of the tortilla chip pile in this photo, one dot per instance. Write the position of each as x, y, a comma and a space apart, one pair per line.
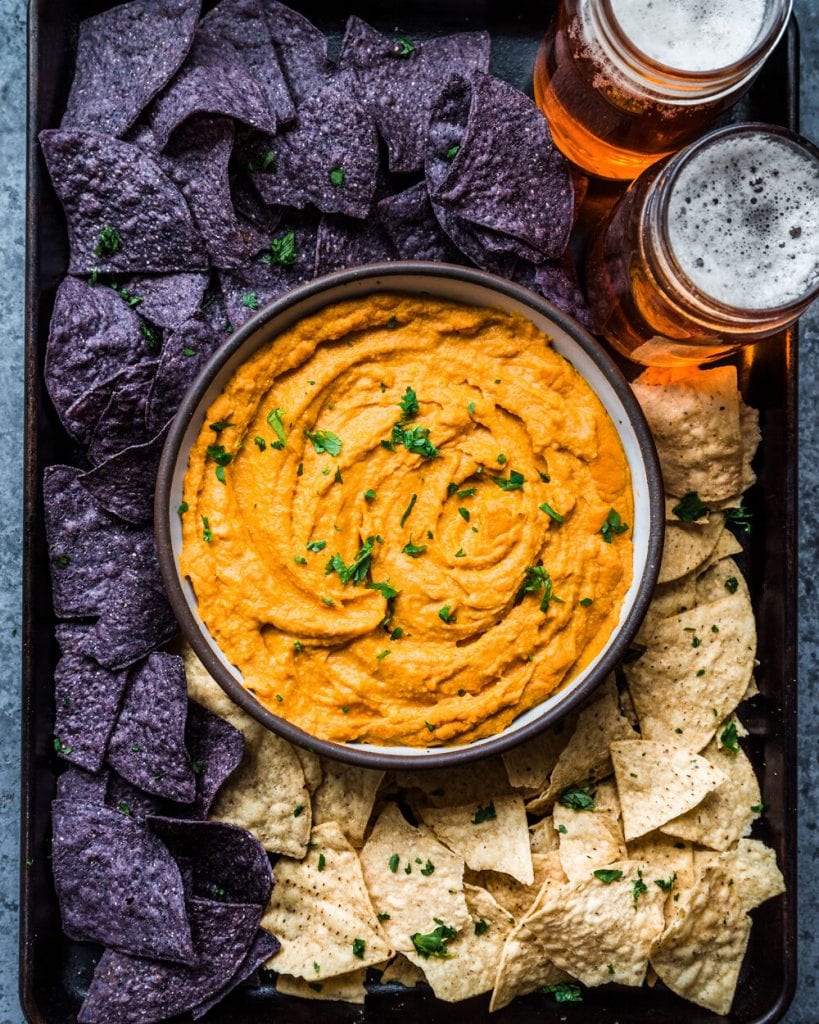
613, 848
207, 166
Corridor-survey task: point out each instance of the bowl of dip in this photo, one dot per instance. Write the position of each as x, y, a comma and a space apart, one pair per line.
409, 515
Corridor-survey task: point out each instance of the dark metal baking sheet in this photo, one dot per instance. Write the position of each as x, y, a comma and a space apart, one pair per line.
54, 973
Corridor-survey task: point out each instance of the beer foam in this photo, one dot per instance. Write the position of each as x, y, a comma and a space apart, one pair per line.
692, 35
743, 221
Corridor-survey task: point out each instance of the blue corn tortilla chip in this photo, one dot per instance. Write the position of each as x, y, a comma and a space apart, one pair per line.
216, 749
241, 25
264, 946
184, 353
132, 801
286, 262
343, 242
125, 56
87, 699
411, 223
557, 283
300, 47
329, 159
89, 551
93, 336
124, 214
124, 483
122, 423
169, 299
222, 861
210, 82
148, 744
118, 884
134, 621
474, 167
401, 81
197, 160
130, 990
75, 787
84, 414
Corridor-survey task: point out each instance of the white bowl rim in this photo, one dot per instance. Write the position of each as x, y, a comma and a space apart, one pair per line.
407, 277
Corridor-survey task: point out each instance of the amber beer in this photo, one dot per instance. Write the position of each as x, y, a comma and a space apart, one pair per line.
626, 82
713, 249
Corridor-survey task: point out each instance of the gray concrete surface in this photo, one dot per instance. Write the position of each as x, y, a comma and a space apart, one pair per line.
805, 1009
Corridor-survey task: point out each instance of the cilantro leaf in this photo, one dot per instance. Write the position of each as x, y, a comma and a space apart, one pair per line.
276, 424
639, 887
356, 571
415, 440
325, 441
434, 943
408, 509
564, 992
607, 875
109, 242
690, 508
547, 508
282, 250
577, 798
613, 524
446, 615
741, 516
250, 300
514, 483
729, 737
414, 550
337, 177
384, 589
483, 814
409, 404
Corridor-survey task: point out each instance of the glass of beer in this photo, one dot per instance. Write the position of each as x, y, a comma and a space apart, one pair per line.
626, 82
711, 249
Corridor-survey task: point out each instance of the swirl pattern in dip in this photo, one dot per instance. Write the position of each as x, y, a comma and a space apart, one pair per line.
407, 522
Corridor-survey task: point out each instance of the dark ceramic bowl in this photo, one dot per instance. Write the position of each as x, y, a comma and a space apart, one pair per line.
473, 287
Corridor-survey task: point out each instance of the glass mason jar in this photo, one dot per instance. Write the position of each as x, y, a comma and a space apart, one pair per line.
711, 249
624, 83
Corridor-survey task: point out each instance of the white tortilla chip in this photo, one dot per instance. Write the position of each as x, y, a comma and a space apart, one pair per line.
346, 795
700, 953
412, 898
266, 794
751, 436
517, 898
401, 972
523, 967
607, 799
204, 689
668, 856
474, 953
530, 764
586, 755
688, 546
493, 836
448, 787
695, 671
311, 766
668, 599
542, 836
343, 988
588, 840
751, 868
321, 912
726, 813
658, 782
601, 932
711, 584
694, 416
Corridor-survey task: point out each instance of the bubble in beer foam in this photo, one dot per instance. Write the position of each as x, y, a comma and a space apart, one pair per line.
692, 35
743, 221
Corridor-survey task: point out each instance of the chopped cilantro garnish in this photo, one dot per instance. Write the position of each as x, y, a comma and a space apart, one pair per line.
481, 927
666, 884
325, 441
219, 425
403, 47
220, 474
696, 642
329, 602
414, 550
464, 514
393, 862
337, 177
282, 250
188, 351
383, 654
369, 495
430, 726
408, 509
250, 300
428, 868
108, 242
446, 615
62, 561
460, 553
316, 545
392, 323
471, 408
297, 645
547, 508
514, 483
356, 571
757, 808
149, 334
385, 589
607, 875
260, 443
300, 560
267, 163
732, 584
544, 476
414, 439
219, 455
467, 492
337, 477
383, 917
577, 798
182, 508
729, 737
276, 423
586, 601
536, 579
434, 943
358, 948
564, 992
453, 151
741, 516
483, 814
298, 810
562, 830
639, 887
613, 524
397, 633
690, 508
409, 405
207, 535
